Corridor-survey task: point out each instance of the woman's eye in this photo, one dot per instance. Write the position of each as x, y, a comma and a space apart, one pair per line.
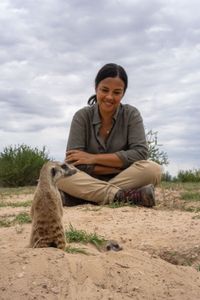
117, 93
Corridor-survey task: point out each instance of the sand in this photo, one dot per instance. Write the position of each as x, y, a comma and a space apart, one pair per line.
160, 258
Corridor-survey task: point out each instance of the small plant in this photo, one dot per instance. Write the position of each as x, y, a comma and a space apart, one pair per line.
15, 204
198, 268
22, 218
20, 165
80, 236
192, 209
155, 153
190, 196
74, 250
5, 223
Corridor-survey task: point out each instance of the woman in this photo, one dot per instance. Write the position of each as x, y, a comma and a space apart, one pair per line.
108, 147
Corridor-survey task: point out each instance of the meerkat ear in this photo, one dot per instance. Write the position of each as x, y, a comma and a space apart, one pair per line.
53, 172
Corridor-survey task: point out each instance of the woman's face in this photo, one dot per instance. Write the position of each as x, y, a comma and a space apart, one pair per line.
109, 93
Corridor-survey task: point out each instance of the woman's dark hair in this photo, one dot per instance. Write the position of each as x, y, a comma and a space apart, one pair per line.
109, 70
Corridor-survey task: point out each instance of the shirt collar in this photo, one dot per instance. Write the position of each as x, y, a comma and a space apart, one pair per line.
97, 118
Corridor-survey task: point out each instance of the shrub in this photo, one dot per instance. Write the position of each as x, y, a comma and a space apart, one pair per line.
167, 177
20, 165
189, 176
155, 153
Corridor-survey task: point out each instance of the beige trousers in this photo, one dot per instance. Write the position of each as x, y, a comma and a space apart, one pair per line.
84, 186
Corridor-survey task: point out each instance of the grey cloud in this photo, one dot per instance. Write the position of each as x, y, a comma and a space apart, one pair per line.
21, 123
51, 50
21, 101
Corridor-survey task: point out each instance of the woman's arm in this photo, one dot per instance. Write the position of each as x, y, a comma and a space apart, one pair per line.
78, 157
101, 164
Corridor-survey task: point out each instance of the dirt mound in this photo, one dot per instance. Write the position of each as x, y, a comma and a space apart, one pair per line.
160, 257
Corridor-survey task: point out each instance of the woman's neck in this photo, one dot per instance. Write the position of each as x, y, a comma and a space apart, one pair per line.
106, 117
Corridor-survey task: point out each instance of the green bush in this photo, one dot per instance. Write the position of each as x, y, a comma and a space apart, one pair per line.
167, 177
189, 176
155, 153
20, 165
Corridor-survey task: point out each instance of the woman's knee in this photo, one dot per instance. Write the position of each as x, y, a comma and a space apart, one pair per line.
156, 171
151, 169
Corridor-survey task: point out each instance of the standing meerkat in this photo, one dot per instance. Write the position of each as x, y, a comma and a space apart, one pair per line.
47, 210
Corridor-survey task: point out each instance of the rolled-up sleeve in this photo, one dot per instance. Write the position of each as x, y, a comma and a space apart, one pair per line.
77, 134
136, 141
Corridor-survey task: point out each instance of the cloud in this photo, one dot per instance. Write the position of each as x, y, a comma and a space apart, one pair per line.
51, 51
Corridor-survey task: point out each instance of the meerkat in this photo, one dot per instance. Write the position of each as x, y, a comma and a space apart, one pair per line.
109, 245
47, 210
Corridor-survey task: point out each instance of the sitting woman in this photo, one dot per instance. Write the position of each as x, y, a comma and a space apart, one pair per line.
107, 145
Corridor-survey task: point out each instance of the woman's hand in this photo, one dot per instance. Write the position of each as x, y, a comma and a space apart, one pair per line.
79, 157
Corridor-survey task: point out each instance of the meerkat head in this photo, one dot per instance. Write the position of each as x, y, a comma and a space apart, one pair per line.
53, 171
61, 170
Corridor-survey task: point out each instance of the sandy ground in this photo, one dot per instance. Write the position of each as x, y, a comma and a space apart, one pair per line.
160, 258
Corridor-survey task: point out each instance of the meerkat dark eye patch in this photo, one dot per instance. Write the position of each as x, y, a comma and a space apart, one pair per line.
64, 167
53, 172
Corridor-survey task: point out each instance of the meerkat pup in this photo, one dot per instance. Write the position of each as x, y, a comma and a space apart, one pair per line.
47, 210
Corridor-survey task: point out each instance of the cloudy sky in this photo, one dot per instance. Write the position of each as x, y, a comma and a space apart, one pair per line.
51, 50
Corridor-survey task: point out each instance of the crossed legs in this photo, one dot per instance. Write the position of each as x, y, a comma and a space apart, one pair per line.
84, 186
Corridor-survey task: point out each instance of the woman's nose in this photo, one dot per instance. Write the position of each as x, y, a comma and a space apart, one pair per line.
109, 96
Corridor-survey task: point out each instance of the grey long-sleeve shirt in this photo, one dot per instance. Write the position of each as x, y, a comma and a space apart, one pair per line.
126, 138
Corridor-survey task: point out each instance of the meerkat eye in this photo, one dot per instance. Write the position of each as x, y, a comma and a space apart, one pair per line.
53, 172
64, 167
